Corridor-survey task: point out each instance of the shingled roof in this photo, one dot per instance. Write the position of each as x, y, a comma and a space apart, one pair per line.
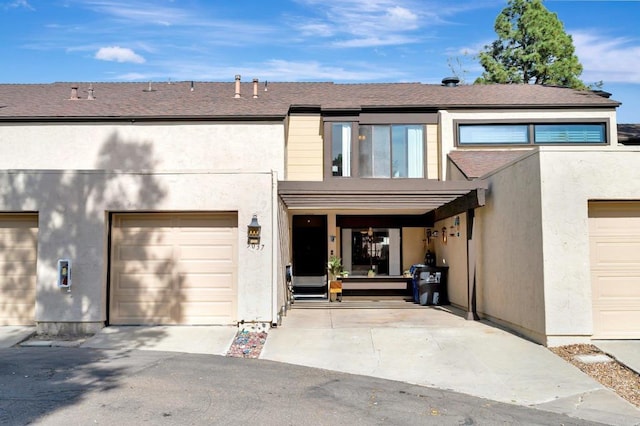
475, 164
216, 99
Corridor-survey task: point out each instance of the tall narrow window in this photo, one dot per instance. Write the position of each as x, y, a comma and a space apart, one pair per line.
341, 149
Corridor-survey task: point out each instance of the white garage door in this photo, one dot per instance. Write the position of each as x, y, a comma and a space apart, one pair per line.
173, 269
615, 269
18, 248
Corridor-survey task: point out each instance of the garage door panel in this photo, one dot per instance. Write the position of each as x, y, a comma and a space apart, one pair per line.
144, 312
213, 281
617, 323
190, 265
615, 269
218, 252
143, 253
12, 253
618, 286
607, 251
139, 282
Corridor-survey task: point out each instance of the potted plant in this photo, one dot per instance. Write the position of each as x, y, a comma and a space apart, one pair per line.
334, 267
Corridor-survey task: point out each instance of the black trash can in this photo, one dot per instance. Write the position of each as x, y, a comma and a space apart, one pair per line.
432, 285
415, 281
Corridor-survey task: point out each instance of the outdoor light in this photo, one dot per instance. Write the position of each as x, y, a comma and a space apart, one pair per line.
253, 231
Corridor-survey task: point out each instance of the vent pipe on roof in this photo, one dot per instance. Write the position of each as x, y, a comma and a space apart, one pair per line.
237, 95
450, 81
90, 96
74, 93
255, 88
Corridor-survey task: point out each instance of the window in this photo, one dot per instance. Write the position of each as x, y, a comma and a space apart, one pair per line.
569, 133
391, 151
524, 134
499, 134
341, 149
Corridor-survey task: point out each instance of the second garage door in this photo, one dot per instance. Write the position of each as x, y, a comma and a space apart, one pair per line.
18, 254
173, 269
614, 233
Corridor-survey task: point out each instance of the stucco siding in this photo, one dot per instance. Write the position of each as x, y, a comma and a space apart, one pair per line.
413, 247
304, 148
453, 254
73, 209
508, 239
174, 146
569, 180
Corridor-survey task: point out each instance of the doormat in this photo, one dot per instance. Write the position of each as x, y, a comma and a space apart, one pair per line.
247, 344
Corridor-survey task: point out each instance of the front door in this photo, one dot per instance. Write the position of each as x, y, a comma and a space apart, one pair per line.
309, 241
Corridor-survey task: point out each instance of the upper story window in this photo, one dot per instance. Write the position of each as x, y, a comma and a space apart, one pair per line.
391, 151
341, 149
523, 134
379, 151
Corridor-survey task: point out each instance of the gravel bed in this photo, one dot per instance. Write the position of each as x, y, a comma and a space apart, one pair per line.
247, 344
615, 376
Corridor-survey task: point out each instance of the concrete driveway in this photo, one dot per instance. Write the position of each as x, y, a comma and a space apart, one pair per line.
437, 347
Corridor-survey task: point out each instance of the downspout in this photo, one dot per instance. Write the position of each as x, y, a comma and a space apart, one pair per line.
471, 313
275, 238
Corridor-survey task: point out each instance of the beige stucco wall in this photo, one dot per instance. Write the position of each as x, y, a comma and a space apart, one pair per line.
414, 247
171, 146
569, 179
453, 254
509, 247
304, 148
73, 224
73, 176
533, 241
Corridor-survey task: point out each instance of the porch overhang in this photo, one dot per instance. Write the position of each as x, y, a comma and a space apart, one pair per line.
443, 197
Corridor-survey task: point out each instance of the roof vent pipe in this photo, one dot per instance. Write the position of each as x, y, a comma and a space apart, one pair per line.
90, 96
74, 93
237, 95
450, 81
255, 88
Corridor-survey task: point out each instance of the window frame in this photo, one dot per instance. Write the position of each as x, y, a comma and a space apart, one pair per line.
372, 119
531, 125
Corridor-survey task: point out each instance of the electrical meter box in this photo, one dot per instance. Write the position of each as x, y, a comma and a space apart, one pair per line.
64, 273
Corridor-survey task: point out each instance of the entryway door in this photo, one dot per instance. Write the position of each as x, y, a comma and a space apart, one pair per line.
309, 245
614, 236
174, 268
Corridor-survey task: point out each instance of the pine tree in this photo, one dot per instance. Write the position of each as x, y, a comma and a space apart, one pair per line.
532, 47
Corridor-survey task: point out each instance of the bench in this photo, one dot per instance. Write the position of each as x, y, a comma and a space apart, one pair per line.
378, 282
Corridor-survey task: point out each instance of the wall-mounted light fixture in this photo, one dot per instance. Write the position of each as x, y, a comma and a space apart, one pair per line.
444, 235
253, 231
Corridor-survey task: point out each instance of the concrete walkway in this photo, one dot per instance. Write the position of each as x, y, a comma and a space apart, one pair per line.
436, 347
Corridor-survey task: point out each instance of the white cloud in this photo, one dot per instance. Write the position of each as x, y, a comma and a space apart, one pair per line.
610, 59
118, 54
18, 4
363, 23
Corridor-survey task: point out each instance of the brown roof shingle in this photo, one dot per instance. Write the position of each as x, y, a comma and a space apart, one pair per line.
216, 99
475, 164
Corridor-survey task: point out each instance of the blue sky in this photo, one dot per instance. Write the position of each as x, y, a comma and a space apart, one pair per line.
348, 41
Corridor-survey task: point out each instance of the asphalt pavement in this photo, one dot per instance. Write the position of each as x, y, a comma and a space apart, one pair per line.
435, 348
75, 386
